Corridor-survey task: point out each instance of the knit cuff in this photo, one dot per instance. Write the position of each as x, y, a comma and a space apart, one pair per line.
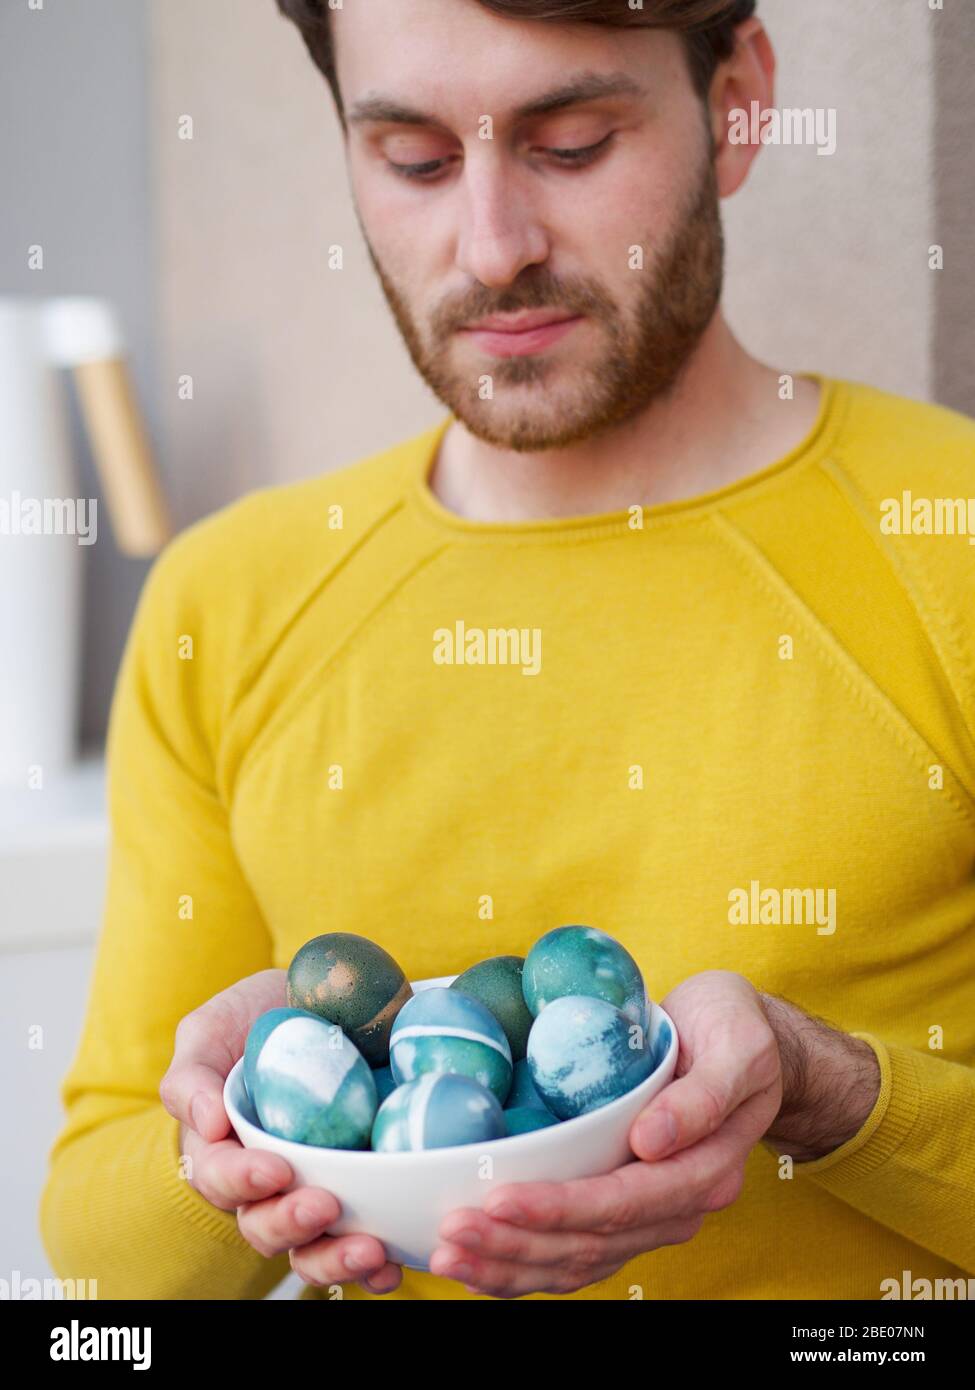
891, 1120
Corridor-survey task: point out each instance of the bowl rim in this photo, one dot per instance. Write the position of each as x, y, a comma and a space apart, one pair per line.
544, 1135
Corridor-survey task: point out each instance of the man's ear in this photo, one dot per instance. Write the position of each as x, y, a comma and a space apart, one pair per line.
747, 76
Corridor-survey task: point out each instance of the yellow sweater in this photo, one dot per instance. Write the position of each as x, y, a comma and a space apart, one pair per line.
765, 686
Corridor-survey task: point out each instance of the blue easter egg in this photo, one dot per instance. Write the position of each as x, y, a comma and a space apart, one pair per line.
523, 1091
443, 1030
437, 1111
309, 1083
385, 1082
522, 1119
257, 1036
583, 960
584, 1053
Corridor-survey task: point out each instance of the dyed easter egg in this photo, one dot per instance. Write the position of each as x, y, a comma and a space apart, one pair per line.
385, 1082
524, 1092
438, 1110
522, 1119
257, 1036
581, 1055
583, 960
309, 1083
445, 1030
352, 982
497, 984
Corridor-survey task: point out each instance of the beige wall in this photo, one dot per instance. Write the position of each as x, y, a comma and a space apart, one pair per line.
298, 369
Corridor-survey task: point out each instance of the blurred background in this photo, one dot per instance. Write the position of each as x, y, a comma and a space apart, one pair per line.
179, 162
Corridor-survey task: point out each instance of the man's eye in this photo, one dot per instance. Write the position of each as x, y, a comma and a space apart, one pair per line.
567, 158
417, 171
586, 155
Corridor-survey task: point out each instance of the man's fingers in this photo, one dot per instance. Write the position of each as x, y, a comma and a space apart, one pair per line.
629, 1198
551, 1263
193, 1094
340, 1260
478, 1235
228, 1175
690, 1108
208, 1043
292, 1219
616, 1201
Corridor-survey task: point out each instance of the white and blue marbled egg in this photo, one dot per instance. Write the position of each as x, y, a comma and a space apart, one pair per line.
584, 960
308, 1082
524, 1092
439, 1110
522, 1119
584, 1053
443, 1030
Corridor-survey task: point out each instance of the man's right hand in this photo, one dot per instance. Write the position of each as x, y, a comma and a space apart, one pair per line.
209, 1041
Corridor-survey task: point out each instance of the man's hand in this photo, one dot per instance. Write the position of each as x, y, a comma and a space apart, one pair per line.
208, 1043
694, 1139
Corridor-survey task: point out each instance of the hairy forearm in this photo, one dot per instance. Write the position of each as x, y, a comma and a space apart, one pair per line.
830, 1083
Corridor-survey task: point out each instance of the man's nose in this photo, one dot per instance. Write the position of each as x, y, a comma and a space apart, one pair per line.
500, 230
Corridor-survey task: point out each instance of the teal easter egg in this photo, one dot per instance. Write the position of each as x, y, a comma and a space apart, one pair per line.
385, 1082
256, 1037
584, 960
444, 1030
584, 1053
309, 1083
524, 1092
497, 984
350, 981
522, 1119
438, 1111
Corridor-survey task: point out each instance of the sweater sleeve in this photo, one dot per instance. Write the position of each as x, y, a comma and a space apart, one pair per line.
911, 1167
179, 925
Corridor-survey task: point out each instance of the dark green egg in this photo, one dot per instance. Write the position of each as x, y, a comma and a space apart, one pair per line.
496, 983
354, 983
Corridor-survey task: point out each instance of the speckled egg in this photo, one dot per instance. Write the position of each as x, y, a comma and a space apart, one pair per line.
352, 982
308, 1082
584, 1053
524, 1092
437, 1111
497, 984
444, 1030
583, 960
385, 1082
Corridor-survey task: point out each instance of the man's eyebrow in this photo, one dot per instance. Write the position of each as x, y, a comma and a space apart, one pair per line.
582, 87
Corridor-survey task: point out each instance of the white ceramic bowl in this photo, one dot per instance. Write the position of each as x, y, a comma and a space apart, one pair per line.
401, 1198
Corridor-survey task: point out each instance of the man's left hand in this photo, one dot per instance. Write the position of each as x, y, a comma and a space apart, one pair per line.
693, 1140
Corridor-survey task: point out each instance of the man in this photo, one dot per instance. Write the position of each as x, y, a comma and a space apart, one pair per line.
731, 722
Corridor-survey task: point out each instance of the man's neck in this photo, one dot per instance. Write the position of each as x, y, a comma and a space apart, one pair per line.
722, 422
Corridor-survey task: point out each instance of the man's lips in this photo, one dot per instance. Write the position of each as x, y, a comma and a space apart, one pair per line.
519, 335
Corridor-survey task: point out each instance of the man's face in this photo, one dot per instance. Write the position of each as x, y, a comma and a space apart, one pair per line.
460, 227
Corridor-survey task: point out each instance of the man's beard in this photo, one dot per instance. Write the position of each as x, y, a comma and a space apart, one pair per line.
647, 348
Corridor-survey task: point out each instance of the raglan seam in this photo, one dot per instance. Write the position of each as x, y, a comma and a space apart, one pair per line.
865, 691
913, 580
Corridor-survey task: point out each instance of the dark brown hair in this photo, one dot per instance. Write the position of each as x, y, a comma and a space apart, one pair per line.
706, 26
